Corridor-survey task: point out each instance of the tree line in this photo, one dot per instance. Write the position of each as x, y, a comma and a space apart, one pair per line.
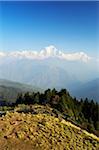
83, 112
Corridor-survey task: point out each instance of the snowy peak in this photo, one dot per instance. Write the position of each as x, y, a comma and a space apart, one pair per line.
47, 52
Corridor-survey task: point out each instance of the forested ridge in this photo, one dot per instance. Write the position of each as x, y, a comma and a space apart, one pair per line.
84, 113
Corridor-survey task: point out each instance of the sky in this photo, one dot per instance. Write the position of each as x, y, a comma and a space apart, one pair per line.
69, 26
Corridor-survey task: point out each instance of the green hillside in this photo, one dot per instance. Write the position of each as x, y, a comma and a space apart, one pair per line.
42, 130
9, 89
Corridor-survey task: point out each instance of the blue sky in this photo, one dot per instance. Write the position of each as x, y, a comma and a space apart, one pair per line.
70, 26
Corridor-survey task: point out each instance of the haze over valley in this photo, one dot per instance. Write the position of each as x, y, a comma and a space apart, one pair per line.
52, 68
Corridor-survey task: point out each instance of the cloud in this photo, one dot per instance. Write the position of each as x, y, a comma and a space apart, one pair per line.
47, 52
74, 56
2, 54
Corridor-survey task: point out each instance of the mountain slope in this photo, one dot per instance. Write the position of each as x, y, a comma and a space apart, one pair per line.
9, 89
52, 77
49, 73
52, 73
89, 90
43, 131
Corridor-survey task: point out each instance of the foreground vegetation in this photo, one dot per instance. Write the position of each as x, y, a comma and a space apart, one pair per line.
40, 128
84, 113
49, 120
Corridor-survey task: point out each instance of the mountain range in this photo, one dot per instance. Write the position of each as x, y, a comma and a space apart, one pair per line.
9, 90
51, 68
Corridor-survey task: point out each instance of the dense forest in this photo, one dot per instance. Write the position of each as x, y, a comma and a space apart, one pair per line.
83, 113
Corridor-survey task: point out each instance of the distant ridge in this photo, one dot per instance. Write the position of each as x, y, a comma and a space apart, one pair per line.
89, 90
10, 89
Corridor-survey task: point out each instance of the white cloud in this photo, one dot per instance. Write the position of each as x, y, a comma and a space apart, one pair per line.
49, 51
24, 54
2, 54
74, 56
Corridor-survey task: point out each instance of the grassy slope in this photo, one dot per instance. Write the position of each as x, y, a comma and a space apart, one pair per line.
42, 130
